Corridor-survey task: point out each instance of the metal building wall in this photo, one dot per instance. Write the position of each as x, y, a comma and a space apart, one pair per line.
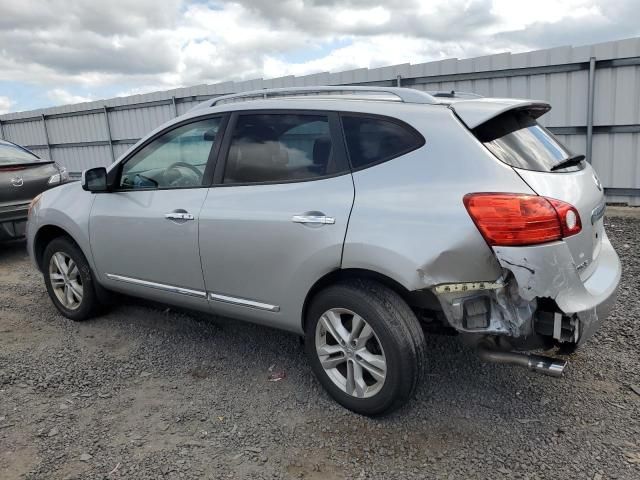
95, 133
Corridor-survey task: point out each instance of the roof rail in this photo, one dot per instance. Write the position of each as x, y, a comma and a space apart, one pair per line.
406, 95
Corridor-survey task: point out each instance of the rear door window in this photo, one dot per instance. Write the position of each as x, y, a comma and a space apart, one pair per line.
518, 140
372, 140
280, 147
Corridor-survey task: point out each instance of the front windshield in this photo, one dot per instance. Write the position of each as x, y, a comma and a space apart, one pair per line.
13, 155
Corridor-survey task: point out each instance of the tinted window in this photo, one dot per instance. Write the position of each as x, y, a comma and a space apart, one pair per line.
279, 147
176, 159
518, 140
373, 140
12, 154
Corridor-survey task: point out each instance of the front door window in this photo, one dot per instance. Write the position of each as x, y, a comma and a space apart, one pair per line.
176, 159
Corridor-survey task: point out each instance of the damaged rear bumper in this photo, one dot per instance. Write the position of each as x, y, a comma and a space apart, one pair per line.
535, 277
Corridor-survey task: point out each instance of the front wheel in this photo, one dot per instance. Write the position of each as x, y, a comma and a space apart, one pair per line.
365, 346
69, 281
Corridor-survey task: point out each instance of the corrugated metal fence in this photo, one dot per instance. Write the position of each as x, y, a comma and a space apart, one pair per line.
594, 91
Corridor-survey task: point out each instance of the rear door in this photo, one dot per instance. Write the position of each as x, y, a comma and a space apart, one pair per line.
276, 219
551, 170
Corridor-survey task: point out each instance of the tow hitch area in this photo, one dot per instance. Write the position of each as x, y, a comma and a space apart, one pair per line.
537, 363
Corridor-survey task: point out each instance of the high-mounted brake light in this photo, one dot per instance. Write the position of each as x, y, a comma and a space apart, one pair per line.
512, 219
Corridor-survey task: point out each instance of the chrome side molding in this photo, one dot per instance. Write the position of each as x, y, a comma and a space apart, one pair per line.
243, 302
216, 297
158, 286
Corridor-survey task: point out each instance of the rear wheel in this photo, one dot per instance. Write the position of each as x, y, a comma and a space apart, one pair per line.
69, 280
365, 346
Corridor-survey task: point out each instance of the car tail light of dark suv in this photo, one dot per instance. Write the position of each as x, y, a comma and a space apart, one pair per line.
513, 219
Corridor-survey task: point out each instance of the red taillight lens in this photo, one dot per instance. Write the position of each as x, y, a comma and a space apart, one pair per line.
508, 219
568, 216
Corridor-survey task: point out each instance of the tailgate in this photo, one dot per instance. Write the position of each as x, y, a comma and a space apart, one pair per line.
583, 190
510, 131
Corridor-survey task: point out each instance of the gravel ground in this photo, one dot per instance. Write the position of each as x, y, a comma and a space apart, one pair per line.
148, 392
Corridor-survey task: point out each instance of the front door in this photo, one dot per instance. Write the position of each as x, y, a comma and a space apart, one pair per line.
275, 221
144, 235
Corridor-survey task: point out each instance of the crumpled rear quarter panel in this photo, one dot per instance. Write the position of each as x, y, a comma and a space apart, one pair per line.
408, 220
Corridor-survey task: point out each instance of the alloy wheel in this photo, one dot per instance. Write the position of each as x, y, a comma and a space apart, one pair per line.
66, 281
350, 353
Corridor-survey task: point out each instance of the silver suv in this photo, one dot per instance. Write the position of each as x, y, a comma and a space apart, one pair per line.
357, 217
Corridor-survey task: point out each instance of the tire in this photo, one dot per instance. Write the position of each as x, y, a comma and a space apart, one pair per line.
79, 308
397, 341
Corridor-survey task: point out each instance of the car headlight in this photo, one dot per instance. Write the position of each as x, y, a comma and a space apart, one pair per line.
61, 177
33, 203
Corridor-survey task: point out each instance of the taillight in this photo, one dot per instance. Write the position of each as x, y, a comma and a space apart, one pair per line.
568, 216
509, 219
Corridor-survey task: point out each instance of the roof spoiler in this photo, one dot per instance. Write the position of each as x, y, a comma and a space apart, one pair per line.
478, 111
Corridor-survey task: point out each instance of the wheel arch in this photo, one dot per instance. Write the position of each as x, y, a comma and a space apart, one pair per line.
44, 236
413, 298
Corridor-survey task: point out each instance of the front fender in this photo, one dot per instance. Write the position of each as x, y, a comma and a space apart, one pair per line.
67, 208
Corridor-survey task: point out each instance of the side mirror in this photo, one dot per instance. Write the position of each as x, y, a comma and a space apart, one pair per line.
95, 180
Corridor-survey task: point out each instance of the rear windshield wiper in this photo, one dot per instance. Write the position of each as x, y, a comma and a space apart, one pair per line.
569, 162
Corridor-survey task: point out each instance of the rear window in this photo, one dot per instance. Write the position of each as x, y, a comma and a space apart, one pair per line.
12, 155
517, 139
372, 140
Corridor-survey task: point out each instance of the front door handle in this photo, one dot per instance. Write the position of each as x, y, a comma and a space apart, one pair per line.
315, 219
179, 216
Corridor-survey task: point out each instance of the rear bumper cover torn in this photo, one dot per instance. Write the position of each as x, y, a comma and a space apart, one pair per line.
533, 273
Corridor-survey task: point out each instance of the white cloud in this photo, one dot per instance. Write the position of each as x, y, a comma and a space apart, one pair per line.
518, 15
374, 52
148, 45
60, 96
5, 104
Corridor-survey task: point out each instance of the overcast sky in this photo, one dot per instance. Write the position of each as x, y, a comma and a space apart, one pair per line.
55, 52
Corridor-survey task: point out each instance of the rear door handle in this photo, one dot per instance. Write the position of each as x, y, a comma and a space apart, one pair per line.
315, 219
179, 216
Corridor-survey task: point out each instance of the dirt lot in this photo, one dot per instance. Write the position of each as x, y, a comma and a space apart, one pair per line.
147, 392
